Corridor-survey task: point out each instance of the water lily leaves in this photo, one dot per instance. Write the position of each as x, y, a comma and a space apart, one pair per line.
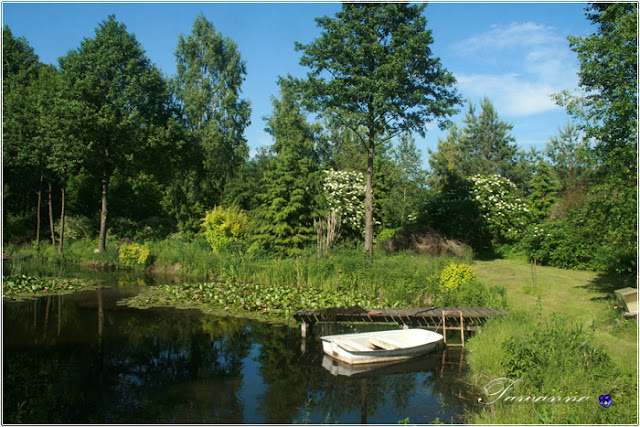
270, 298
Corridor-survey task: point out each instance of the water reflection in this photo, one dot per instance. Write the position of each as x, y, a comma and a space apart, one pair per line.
83, 359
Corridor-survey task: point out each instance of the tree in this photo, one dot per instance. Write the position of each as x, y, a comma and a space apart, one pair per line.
447, 159
20, 68
572, 161
372, 70
484, 146
544, 188
58, 138
607, 112
488, 144
410, 178
123, 96
210, 73
609, 78
569, 154
291, 185
20, 64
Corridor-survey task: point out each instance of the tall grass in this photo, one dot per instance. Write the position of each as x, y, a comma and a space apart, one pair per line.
402, 277
399, 277
555, 358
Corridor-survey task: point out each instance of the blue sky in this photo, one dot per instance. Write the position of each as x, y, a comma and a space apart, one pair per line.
517, 54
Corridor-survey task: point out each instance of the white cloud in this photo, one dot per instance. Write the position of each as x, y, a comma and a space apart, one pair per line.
511, 94
512, 36
522, 63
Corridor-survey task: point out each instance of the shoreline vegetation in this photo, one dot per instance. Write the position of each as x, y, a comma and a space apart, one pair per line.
563, 336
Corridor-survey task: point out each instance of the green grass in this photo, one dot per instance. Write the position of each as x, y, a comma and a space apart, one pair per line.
400, 277
563, 336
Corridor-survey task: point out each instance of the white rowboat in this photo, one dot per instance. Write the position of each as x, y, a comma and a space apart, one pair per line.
383, 346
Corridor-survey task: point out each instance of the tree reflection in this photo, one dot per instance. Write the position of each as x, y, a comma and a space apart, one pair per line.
101, 363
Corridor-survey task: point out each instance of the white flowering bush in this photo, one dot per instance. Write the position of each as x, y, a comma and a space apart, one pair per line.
505, 215
345, 191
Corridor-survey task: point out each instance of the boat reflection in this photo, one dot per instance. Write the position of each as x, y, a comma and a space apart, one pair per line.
417, 364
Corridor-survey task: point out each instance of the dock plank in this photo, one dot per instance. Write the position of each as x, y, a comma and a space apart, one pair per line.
408, 316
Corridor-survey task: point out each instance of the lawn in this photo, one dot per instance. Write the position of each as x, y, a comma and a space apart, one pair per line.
583, 296
563, 337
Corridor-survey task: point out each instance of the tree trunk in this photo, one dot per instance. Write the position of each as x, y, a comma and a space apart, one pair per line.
53, 234
38, 214
103, 213
368, 202
61, 223
404, 203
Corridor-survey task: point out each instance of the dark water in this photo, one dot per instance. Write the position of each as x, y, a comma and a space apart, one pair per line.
82, 358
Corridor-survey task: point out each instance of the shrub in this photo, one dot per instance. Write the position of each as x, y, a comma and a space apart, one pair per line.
122, 227
386, 234
455, 276
599, 235
344, 191
554, 358
223, 226
459, 287
155, 228
133, 253
76, 227
505, 215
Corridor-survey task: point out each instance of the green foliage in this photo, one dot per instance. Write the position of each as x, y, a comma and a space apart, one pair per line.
16, 227
600, 235
131, 254
344, 192
386, 234
569, 155
290, 199
362, 74
551, 347
273, 299
18, 287
504, 214
455, 276
402, 174
544, 187
484, 146
76, 227
155, 228
481, 211
20, 64
210, 73
459, 287
455, 213
552, 358
223, 226
121, 99
602, 228
609, 77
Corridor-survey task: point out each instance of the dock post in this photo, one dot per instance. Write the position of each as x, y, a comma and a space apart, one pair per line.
445, 328
305, 329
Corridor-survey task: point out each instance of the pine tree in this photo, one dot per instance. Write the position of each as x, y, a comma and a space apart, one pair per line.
544, 188
483, 146
290, 185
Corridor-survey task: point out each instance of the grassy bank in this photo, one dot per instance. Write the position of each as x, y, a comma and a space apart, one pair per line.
563, 339
399, 277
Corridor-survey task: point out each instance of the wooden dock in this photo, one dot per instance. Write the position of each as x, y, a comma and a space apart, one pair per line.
447, 318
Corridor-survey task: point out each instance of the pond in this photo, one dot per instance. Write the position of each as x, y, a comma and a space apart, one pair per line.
83, 358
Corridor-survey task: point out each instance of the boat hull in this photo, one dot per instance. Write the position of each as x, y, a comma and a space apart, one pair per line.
363, 348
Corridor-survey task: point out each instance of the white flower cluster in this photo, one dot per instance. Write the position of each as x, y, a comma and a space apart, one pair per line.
506, 214
345, 191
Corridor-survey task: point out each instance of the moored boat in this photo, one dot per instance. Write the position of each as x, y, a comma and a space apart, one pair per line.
382, 346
